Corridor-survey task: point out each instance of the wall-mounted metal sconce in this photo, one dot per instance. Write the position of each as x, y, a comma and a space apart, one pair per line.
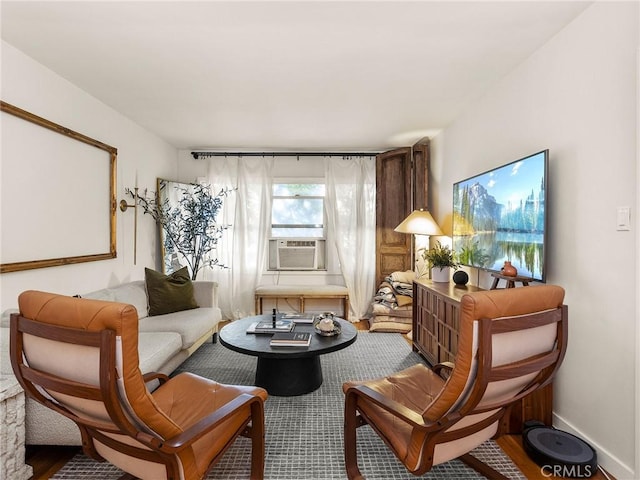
123, 207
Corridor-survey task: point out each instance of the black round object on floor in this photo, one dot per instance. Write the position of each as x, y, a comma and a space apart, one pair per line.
559, 453
460, 278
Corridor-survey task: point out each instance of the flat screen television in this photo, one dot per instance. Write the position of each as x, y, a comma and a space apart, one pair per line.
501, 215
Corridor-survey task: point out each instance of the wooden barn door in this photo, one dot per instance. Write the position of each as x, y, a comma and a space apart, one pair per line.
393, 204
402, 185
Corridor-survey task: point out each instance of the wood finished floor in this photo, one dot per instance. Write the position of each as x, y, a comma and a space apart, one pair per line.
47, 460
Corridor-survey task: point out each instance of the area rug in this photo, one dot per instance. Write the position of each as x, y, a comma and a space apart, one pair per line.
304, 434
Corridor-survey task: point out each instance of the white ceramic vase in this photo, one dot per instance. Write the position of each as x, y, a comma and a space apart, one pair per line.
440, 274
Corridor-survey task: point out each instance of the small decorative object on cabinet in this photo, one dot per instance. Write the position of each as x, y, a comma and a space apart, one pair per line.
436, 322
509, 270
460, 278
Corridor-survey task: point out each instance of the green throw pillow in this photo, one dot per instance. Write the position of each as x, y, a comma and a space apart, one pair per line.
169, 293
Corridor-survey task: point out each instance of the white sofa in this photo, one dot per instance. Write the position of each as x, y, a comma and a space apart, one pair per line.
165, 341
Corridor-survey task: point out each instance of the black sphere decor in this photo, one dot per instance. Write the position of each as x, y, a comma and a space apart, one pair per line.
460, 277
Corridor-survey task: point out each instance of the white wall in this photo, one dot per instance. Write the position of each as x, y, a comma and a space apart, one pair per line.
32, 87
637, 249
576, 96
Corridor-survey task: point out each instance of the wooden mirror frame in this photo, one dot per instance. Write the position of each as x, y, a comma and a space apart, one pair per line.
112, 155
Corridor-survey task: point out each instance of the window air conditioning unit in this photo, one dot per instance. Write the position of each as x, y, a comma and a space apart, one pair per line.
297, 254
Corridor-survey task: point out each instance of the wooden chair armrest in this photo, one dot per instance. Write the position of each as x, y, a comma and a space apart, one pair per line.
208, 423
149, 377
396, 409
443, 369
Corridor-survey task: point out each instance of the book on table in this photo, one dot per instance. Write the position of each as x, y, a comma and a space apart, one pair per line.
291, 339
267, 326
299, 317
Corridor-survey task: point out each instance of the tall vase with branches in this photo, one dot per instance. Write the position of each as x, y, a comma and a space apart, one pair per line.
189, 226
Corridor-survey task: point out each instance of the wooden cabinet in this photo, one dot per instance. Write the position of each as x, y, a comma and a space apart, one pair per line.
436, 319
436, 323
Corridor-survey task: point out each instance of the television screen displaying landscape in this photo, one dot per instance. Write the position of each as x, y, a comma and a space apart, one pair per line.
500, 215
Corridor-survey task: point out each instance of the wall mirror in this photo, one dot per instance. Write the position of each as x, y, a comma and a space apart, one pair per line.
57, 202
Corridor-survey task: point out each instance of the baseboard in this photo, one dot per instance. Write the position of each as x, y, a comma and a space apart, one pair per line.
606, 459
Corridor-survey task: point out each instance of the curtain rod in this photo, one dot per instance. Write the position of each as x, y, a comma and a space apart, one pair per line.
198, 155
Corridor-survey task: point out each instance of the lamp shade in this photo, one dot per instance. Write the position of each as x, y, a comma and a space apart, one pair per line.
419, 222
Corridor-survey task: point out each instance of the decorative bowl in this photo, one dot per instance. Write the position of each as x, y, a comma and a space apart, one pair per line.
327, 333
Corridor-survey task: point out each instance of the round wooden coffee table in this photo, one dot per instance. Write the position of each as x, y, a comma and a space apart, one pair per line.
285, 371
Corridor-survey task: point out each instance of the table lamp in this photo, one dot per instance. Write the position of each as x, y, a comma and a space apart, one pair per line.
419, 222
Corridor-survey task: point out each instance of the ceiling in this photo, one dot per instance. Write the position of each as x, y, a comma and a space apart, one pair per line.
304, 76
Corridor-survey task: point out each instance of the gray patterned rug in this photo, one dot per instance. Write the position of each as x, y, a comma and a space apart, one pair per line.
304, 434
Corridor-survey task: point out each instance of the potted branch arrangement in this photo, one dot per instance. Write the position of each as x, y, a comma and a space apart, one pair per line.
189, 227
441, 259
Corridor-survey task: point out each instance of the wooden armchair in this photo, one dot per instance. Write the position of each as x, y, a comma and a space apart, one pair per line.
79, 357
511, 343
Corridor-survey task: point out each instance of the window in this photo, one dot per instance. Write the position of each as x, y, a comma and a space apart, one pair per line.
297, 210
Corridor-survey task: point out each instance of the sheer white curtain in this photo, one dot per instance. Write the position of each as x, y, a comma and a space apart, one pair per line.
351, 216
243, 246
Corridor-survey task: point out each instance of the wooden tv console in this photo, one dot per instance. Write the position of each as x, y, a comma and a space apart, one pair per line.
436, 322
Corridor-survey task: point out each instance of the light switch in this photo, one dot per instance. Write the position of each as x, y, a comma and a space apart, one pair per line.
624, 219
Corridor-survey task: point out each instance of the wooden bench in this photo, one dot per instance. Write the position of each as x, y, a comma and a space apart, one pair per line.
302, 293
